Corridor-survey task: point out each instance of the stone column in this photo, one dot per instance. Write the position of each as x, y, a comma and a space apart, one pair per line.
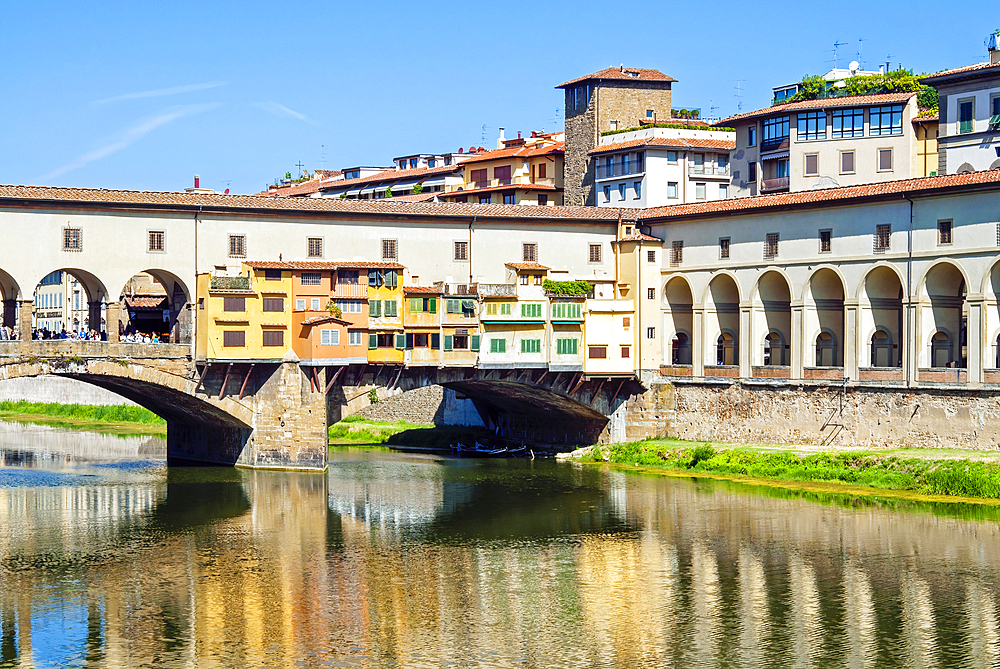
797, 351
25, 310
182, 326
911, 341
851, 343
9, 313
698, 342
975, 339
114, 314
745, 343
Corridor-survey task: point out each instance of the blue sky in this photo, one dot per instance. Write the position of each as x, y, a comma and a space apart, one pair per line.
143, 96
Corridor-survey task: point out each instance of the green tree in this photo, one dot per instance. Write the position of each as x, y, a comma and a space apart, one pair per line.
388, 192
418, 189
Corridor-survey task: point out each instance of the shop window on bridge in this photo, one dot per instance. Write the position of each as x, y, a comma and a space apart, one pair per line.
566, 346
826, 350
774, 349
531, 346
680, 349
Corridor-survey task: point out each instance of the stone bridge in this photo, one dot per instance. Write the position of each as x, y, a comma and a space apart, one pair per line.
275, 414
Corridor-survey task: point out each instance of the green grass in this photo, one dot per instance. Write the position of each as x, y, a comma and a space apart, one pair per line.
360, 430
927, 476
99, 414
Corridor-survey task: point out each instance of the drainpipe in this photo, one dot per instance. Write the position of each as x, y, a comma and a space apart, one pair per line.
638, 297
909, 293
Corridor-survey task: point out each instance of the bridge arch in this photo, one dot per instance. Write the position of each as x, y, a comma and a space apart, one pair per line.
69, 299
157, 301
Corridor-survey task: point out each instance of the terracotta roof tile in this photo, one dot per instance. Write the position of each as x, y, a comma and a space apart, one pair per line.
718, 144
759, 202
822, 103
492, 189
967, 69
321, 264
392, 176
145, 302
517, 152
10, 194
317, 320
360, 264
267, 264
526, 265
621, 73
639, 237
422, 289
420, 197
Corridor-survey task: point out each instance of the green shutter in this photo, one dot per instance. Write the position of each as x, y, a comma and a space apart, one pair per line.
505, 309
372, 341
572, 346
432, 305
400, 341
495, 345
435, 340
391, 308
576, 311
375, 308
416, 305
557, 310
491, 309
474, 342
390, 279
447, 342
524, 311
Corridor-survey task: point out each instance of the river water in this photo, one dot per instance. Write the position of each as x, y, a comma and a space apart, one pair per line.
109, 559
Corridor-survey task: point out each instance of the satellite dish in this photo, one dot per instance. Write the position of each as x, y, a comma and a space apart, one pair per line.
853, 67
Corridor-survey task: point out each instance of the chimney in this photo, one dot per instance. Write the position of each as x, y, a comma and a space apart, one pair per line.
519, 134
197, 181
500, 140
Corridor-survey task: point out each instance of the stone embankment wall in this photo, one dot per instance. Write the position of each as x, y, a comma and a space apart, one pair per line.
870, 418
57, 390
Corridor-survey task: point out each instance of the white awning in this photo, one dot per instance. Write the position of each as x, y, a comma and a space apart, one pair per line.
405, 184
433, 181
370, 188
774, 156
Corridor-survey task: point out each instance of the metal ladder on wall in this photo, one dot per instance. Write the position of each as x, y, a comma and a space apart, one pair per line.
835, 415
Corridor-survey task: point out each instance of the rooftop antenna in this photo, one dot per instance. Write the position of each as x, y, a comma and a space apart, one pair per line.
887, 58
739, 95
861, 44
711, 109
300, 166
322, 156
482, 139
835, 45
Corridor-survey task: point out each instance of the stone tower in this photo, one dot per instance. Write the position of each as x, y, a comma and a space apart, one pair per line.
612, 99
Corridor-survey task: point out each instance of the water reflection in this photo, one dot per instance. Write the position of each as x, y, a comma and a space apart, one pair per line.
397, 560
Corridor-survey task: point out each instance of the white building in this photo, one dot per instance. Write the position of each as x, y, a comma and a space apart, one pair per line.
653, 167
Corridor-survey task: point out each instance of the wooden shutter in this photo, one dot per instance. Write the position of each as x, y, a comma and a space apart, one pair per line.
448, 339
435, 340
372, 341
432, 305
400, 341
474, 342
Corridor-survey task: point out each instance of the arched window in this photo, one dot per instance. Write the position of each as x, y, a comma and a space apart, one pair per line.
725, 350
774, 349
826, 350
940, 349
998, 352
680, 349
881, 349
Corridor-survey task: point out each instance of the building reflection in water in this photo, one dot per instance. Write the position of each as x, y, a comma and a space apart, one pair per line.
415, 561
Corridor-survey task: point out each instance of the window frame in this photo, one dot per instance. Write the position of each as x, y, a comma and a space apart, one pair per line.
945, 229
151, 235
676, 253
315, 279
829, 240
805, 165
269, 303
878, 159
237, 245
234, 304
72, 238
854, 161
971, 101
725, 246
533, 247
772, 242
881, 111
229, 339
314, 247
390, 246
460, 251
672, 188
852, 113
595, 258
813, 132
877, 246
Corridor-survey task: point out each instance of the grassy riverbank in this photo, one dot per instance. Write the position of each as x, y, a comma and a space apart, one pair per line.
360, 430
114, 419
925, 475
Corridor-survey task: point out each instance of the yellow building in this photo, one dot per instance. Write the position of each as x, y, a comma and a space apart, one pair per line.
422, 320
246, 317
523, 171
637, 268
386, 340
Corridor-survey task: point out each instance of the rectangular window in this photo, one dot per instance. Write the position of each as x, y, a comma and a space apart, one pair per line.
848, 123
883, 234
650, 333
237, 246
885, 160
699, 191
595, 253
389, 249
775, 133
315, 247
671, 157
498, 345
355, 337
676, 253
650, 293
72, 239
886, 120
329, 337
300, 304
752, 172
461, 250
672, 189
621, 191
724, 248
752, 135
626, 321
597, 352
847, 162
994, 111
531, 310
234, 338
626, 351
651, 256
566, 346
944, 232
541, 170
234, 304
723, 191
312, 279
508, 198
531, 346
543, 200
272, 275
812, 126
156, 241
529, 252
565, 310
391, 308
420, 341
375, 309
637, 187
771, 246
825, 240
478, 177
314, 304
811, 165
273, 304
460, 342
273, 337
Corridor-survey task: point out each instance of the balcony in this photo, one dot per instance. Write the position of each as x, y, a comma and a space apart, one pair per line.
347, 291
775, 144
497, 289
515, 181
230, 283
778, 183
617, 169
710, 170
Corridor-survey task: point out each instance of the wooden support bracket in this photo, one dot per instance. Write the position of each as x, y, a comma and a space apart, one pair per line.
222, 390
593, 397
201, 378
333, 379
244, 386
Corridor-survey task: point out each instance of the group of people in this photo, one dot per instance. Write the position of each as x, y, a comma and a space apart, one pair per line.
8, 334
141, 338
75, 335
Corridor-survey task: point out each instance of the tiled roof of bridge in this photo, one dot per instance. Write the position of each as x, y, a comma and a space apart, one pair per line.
321, 264
902, 187
422, 289
145, 301
305, 205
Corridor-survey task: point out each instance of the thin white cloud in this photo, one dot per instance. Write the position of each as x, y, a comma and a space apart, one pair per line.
160, 92
129, 136
281, 110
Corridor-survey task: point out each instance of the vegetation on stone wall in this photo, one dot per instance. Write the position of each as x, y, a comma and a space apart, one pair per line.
961, 477
814, 86
566, 287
